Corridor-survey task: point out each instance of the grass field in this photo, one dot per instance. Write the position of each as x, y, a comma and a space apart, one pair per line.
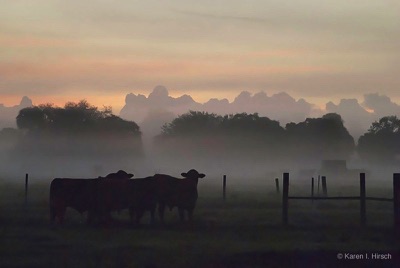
243, 231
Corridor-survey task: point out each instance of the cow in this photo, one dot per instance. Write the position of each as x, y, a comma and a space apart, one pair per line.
79, 194
181, 193
99, 197
143, 198
138, 195
119, 175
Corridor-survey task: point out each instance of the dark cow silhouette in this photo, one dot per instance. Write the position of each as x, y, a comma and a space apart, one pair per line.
79, 194
181, 193
143, 197
99, 197
137, 195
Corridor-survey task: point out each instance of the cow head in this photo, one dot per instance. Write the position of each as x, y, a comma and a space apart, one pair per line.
193, 174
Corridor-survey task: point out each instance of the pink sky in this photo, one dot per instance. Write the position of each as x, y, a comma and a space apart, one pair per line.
58, 51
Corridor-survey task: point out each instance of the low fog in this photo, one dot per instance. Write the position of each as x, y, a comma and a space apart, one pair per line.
254, 138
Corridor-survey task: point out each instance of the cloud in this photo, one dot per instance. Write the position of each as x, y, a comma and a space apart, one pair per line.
281, 106
356, 118
381, 105
8, 114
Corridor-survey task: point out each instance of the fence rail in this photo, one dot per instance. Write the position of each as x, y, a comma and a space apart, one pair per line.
341, 198
362, 198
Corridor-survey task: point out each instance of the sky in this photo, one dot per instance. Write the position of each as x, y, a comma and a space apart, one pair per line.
321, 50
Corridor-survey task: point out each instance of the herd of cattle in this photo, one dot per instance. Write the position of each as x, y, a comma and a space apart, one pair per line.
117, 191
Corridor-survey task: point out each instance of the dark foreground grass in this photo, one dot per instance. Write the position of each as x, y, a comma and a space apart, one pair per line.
243, 231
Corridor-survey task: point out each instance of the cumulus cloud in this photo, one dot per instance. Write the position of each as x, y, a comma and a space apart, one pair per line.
281, 106
8, 114
137, 107
356, 118
381, 105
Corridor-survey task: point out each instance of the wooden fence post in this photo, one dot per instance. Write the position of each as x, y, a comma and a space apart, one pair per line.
363, 208
324, 187
26, 189
285, 198
312, 188
277, 185
396, 203
319, 178
224, 187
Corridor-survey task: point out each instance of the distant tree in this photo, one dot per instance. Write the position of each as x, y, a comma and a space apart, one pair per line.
78, 131
192, 123
74, 117
189, 136
320, 138
248, 137
31, 118
381, 143
249, 134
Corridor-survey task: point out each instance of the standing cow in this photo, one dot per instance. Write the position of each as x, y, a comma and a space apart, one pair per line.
99, 197
79, 194
143, 198
137, 195
181, 193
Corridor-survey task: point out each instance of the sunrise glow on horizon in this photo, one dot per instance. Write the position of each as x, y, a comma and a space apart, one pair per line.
59, 51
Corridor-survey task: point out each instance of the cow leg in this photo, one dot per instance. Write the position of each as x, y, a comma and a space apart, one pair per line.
90, 217
139, 215
161, 208
152, 217
131, 213
181, 214
190, 215
107, 218
60, 214
52, 215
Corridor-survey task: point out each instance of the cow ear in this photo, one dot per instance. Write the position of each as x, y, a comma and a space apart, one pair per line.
184, 174
201, 175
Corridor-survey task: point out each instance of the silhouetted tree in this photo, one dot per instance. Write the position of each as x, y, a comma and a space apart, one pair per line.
80, 132
381, 143
201, 135
320, 138
256, 137
189, 136
31, 118
192, 123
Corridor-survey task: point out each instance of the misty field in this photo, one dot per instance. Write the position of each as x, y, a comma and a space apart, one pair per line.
245, 230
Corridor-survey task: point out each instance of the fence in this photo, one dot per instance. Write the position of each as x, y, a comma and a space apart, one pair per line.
362, 198
285, 197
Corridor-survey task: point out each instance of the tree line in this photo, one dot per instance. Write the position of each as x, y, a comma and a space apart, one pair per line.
76, 134
260, 139
83, 131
